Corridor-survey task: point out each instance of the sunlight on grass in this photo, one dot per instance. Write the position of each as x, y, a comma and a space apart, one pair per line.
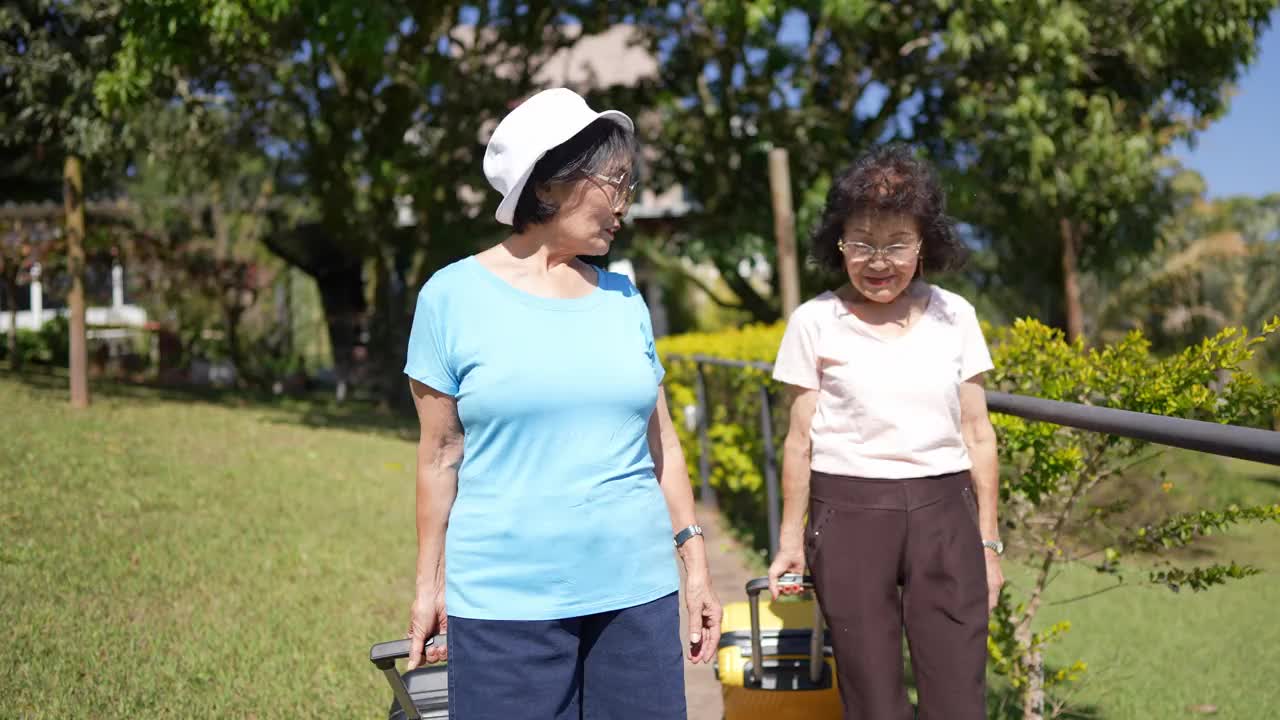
160, 559
168, 556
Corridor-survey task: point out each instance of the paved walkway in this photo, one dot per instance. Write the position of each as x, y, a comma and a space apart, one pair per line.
729, 575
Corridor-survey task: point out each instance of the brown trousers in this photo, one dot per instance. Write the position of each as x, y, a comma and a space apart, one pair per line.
889, 554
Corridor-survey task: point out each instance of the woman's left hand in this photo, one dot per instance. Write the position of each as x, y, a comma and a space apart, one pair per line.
995, 579
704, 617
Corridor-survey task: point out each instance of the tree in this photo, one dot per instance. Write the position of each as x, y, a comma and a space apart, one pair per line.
375, 114
1215, 265
1054, 118
204, 202
1057, 118
53, 52
824, 79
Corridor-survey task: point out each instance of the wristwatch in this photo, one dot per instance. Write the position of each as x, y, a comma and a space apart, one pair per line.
683, 536
994, 545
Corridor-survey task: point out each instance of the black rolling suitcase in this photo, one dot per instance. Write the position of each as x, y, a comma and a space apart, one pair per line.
421, 693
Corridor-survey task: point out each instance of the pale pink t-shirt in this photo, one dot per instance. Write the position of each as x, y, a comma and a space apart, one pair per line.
887, 408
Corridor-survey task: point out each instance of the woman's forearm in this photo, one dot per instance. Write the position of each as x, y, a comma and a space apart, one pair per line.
795, 489
986, 483
437, 487
440, 445
797, 451
673, 476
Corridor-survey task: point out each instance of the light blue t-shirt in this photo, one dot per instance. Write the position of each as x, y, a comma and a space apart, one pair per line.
559, 513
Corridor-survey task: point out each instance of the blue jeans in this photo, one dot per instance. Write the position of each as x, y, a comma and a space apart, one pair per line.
620, 665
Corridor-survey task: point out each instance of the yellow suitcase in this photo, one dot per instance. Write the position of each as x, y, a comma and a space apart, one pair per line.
774, 659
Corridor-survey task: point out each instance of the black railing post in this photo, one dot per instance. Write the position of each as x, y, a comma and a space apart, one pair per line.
707, 494
770, 469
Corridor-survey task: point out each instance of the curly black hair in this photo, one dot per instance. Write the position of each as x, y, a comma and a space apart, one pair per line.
889, 178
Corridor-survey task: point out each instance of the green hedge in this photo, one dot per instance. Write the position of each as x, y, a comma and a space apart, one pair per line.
46, 346
736, 446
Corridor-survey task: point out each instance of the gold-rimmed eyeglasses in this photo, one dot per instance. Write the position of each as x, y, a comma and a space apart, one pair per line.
624, 189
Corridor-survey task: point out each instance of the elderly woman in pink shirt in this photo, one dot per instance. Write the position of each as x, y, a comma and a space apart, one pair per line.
890, 452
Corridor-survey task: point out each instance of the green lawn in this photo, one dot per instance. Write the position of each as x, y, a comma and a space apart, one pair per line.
197, 559
1153, 653
184, 556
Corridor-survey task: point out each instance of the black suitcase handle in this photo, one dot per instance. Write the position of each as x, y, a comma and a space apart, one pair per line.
816, 662
384, 656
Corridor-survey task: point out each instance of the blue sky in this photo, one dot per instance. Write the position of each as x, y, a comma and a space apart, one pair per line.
1240, 154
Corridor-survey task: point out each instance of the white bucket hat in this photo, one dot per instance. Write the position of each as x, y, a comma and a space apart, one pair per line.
537, 125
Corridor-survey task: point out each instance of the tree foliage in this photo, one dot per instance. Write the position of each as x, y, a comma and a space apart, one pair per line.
1060, 117
362, 108
1215, 265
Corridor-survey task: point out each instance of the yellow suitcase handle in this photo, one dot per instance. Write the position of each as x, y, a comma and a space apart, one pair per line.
816, 662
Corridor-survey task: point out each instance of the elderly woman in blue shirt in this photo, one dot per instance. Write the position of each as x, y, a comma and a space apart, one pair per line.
551, 485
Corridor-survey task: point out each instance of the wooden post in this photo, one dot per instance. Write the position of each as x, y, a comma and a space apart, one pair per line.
784, 230
73, 202
1071, 278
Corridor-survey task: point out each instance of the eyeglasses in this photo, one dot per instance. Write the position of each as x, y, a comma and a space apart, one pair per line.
623, 192
902, 254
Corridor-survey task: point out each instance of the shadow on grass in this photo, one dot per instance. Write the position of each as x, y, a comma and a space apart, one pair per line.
313, 410
354, 416
1272, 481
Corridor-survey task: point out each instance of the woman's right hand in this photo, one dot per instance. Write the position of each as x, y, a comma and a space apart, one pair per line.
427, 619
790, 559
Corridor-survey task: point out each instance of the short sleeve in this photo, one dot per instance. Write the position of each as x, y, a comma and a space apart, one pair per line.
651, 348
975, 357
428, 360
797, 361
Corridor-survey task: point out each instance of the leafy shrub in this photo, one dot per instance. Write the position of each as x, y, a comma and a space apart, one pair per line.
50, 345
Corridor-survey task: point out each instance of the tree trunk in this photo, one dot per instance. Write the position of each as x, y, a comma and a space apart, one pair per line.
339, 276
1032, 660
73, 201
1033, 692
390, 328
762, 311
231, 314
1071, 278
787, 278
342, 297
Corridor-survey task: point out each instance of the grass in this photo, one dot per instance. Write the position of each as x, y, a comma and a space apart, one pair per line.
196, 555
197, 558
1153, 653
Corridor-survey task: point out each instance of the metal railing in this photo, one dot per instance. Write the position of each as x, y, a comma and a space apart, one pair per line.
1226, 440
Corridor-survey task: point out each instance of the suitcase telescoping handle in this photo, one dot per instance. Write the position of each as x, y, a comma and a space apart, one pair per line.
816, 662
384, 656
